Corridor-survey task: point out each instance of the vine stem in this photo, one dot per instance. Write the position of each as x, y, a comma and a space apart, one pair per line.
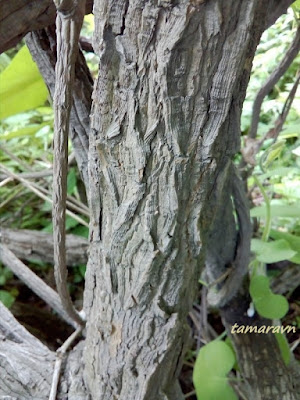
267, 228
69, 20
259, 267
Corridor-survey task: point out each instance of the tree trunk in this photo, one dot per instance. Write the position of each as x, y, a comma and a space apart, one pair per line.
163, 191
165, 126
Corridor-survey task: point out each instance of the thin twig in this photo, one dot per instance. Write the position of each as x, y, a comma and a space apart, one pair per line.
59, 358
16, 192
72, 202
189, 394
15, 158
34, 175
36, 284
5, 181
290, 55
39, 192
221, 278
203, 314
295, 344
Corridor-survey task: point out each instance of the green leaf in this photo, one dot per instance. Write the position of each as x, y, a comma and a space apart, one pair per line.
21, 85
280, 211
29, 130
293, 241
71, 181
212, 365
278, 172
267, 304
270, 252
293, 129
296, 151
296, 6
77, 278
284, 347
5, 275
229, 343
6, 298
70, 222
259, 287
81, 230
82, 270
273, 306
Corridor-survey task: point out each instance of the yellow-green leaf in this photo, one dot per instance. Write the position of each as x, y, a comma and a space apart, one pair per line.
21, 85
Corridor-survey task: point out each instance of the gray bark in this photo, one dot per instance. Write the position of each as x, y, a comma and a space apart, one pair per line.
25, 363
165, 126
38, 246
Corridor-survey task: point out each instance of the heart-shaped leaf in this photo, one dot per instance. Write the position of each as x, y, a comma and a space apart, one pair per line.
267, 304
213, 363
273, 306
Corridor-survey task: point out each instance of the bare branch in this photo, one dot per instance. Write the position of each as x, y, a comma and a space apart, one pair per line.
36, 284
60, 353
275, 10
18, 17
33, 245
39, 192
68, 22
272, 80
252, 145
42, 46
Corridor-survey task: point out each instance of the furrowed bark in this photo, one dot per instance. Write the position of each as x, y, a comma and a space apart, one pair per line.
165, 126
25, 363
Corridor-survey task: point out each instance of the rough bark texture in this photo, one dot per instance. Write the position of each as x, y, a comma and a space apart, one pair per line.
165, 126
25, 363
